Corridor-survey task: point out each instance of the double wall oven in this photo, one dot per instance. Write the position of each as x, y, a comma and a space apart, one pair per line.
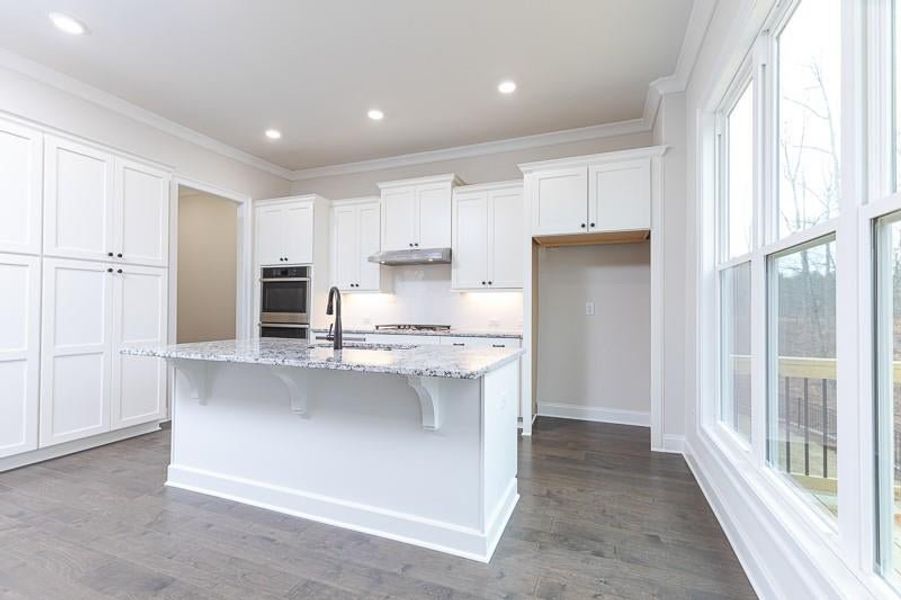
285, 302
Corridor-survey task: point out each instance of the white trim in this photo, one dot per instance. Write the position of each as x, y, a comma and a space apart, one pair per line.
445, 537
446, 178
77, 88
537, 140
594, 413
57, 450
585, 160
695, 32
673, 444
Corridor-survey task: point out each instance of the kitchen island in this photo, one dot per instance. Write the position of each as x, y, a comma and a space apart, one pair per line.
413, 443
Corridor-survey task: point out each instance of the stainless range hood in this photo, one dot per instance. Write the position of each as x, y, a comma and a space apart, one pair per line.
413, 256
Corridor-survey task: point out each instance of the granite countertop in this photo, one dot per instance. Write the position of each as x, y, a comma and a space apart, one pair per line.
488, 333
421, 361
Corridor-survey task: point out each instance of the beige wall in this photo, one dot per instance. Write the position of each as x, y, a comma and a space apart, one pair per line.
594, 364
207, 262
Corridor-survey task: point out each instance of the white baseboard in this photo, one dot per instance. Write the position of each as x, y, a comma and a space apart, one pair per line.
51, 452
674, 444
593, 413
781, 555
450, 538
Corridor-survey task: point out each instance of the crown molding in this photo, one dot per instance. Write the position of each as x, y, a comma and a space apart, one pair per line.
698, 22
481, 149
70, 85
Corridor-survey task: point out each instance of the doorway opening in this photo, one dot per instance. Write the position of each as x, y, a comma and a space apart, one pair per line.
208, 259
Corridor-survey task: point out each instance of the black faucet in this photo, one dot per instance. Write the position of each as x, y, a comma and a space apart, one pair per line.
334, 307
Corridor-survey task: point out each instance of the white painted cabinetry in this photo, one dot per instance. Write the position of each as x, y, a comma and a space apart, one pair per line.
598, 194
488, 226
416, 213
21, 150
356, 233
20, 312
91, 310
101, 207
284, 230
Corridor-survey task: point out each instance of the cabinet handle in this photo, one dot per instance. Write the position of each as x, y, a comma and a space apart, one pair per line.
416, 244
110, 254
459, 344
118, 270
119, 255
582, 225
591, 225
498, 345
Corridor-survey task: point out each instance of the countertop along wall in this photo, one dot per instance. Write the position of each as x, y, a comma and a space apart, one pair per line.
422, 294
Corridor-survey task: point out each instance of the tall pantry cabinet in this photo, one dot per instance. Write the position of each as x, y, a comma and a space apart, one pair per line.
83, 273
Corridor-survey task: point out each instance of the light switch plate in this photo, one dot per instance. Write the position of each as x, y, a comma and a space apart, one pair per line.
589, 309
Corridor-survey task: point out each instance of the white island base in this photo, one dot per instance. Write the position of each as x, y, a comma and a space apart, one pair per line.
430, 461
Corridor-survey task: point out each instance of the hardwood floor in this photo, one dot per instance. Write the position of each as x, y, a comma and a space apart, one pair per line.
600, 517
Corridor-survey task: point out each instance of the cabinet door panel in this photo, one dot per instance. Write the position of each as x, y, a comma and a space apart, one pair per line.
270, 227
20, 301
75, 350
142, 214
470, 248
78, 197
369, 219
344, 246
21, 173
298, 240
138, 382
560, 201
620, 196
398, 218
506, 252
434, 216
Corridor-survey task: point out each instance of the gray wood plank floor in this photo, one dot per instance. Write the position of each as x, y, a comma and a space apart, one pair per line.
600, 517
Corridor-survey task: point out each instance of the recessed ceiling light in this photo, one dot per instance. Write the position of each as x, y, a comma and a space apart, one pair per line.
375, 114
506, 87
273, 134
67, 24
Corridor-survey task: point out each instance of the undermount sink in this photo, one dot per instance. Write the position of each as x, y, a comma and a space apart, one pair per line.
362, 346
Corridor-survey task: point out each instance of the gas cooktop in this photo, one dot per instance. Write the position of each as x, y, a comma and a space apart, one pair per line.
411, 327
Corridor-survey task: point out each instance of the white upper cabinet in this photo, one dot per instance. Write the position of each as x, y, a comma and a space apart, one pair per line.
141, 214
560, 201
597, 194
285, 232
356, 228
20, 314
488, 237
21, 172
78, 200
619, 196
100, 207
76, 352
416, 213
138, 389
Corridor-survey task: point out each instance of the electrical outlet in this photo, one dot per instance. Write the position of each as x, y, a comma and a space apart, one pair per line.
589, 309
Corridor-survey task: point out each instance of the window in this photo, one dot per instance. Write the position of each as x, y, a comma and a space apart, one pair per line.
896, 50
809, 122
802, 399
738, 202
888, 396
735, 342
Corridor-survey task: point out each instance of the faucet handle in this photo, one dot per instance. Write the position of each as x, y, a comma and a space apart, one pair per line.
329, 335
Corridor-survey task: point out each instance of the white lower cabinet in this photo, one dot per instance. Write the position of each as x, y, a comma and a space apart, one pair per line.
20, 301
90, 310
138, 382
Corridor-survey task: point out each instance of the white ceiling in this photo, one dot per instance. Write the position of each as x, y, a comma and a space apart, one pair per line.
312, 68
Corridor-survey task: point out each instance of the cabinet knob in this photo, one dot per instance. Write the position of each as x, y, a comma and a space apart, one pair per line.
411, 244
591, 224
109, 253
119, 255
582, 225
490, 282
416, 244
483, 283
109, 270
118, 270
